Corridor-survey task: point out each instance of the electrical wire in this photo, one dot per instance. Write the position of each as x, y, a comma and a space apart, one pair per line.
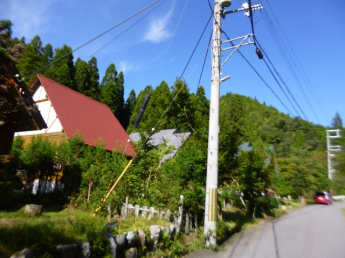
286, 56
123, 32
175, 96
203, 65
93, 39
303, 73
251, 65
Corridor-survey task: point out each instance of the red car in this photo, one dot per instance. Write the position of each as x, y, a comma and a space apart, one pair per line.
323, 197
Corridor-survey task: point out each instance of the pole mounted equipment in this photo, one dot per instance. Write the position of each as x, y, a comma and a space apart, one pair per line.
211, 196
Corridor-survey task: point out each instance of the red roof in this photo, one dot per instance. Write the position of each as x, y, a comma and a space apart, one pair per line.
94, 120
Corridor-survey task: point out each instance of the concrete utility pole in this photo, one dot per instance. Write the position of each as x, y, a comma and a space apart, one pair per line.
210, 226
331, 134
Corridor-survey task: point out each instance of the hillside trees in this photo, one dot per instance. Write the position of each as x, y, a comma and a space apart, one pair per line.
10, 48
62, 70
86, 78
34, 58
112, 92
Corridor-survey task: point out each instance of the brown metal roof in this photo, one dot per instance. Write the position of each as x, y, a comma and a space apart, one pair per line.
94, 120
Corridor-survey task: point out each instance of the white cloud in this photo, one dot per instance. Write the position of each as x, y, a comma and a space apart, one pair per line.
125, 67
30, 17
158, 32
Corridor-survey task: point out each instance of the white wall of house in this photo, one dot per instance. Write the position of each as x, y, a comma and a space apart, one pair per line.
48, 113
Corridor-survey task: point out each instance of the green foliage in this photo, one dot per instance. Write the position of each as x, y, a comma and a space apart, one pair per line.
11, 49
99, 245
34, 57
50, 229
112, 92
62, 70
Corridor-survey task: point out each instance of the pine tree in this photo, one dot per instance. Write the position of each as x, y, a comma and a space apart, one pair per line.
337, 123
181, 112
94, 79
200, 105
63, 70
82, 77
139, 101
34, 58
112, 91
129, 107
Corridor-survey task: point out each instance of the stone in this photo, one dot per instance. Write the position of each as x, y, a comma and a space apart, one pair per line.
132, 239
142, 237
121, 241
33, 210
155, 236
84, 250
113, 245
170, 231
26, 253
67, 251
132, 253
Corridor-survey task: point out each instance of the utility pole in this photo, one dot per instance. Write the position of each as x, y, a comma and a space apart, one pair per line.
210, 226
331, 134
210, 222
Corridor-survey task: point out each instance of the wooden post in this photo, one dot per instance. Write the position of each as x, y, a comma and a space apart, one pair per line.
180, 215
186, 228
196, 222
137, 210
126, 207
167, 215
144, 212
109, 211
152, 212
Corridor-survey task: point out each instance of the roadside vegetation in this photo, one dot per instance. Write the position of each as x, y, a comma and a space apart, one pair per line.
285, 156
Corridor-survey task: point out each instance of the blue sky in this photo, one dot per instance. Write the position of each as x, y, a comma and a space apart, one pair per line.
158, 47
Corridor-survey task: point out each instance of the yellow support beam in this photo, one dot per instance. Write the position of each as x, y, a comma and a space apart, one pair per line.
112, 188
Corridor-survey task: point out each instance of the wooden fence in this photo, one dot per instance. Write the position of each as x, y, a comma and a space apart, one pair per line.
149, 212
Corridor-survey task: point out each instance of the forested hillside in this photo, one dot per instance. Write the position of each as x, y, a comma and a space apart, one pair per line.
287, 156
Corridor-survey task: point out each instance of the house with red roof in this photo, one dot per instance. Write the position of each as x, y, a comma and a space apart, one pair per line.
67, 112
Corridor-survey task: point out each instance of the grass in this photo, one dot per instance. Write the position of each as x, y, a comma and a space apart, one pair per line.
18, 231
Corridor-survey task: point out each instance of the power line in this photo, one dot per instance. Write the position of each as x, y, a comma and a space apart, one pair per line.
196, 46
183, 85
203, 65
115, 26
266, 56
252, 66
123, 32
303, 73
286, 56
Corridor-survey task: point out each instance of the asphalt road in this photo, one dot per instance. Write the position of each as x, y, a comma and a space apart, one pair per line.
315, 231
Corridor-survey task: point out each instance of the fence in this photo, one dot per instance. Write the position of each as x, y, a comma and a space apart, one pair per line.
150, 212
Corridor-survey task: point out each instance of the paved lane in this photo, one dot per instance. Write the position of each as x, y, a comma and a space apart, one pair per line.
315, 231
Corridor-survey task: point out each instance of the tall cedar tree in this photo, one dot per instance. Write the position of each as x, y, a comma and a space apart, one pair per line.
94, 78
34, 58
63, 70
337, 123
129, 107
200, 105
159, 101
139, 101
180, 112
112, 91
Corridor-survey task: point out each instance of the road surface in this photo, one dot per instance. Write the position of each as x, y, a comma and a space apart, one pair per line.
315, 231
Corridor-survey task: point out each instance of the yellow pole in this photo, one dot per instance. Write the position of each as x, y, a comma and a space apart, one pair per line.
106, 197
